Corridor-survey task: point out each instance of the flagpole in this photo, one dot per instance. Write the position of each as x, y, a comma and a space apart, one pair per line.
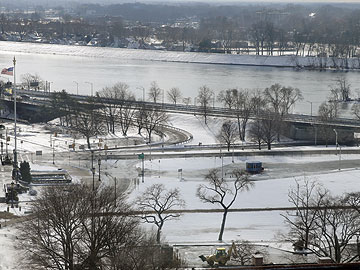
15, 150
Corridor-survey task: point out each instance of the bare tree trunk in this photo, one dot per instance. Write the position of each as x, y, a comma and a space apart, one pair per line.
88, 142
223, 224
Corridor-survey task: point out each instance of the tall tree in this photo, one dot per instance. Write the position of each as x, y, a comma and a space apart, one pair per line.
222, 192
341, 90
113, 100
227, 134
88, 122
327, 112
174, 95
306, 197
205, 94
153, 120
161, 203
63, 233
154, 92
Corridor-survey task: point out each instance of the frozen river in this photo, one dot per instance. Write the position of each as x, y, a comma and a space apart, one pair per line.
64, 65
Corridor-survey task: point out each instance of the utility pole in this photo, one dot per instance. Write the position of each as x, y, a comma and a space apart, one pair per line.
336, 138
77, 87
92, 87
15, 165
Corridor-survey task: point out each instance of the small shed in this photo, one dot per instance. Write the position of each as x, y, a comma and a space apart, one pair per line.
254, 167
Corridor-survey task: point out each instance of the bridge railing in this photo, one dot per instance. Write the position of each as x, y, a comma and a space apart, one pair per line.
191, 109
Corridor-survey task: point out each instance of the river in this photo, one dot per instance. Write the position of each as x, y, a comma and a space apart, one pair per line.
64, 65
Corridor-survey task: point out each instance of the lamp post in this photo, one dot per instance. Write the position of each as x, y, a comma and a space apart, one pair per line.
99, 163
336, 138
77, 87
92, 87
310, 108
143, 89
163, 96
15, 128
339, 157
50, 86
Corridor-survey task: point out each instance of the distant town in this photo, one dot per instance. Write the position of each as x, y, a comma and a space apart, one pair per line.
302, 30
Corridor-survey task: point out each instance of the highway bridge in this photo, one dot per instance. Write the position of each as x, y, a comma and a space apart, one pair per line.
30, 104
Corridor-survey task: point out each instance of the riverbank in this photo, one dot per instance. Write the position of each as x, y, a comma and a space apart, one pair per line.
288, 61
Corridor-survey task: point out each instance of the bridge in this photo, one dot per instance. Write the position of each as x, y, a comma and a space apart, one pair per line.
31, 103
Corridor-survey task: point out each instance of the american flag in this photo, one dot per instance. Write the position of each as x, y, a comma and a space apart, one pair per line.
8, 71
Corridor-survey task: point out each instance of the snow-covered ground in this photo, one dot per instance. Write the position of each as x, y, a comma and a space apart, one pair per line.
270, 189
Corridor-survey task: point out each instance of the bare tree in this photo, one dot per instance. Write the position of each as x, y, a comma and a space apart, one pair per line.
140, 117
174, 95
115, 99
244, 106
325, 224
157, 205
153, 121
244, 252
64, 233
154, 92
204, 97
269, 127
336, 228
340, 91
219, 191
280, 99
355, 109
327, 112
307, 199
256, 132
88, 122
227, 134
187, 101
27, 79
228, 97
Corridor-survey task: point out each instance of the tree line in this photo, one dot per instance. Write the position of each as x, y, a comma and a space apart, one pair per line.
263, 30
98, 116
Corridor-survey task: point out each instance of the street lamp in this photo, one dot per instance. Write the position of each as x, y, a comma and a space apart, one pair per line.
99, 163
336, 138
50, 86
143, 89
15, 164
163, 96
310, 108
92, 87
77, 87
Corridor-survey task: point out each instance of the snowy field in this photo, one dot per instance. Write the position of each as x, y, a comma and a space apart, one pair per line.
270, 189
